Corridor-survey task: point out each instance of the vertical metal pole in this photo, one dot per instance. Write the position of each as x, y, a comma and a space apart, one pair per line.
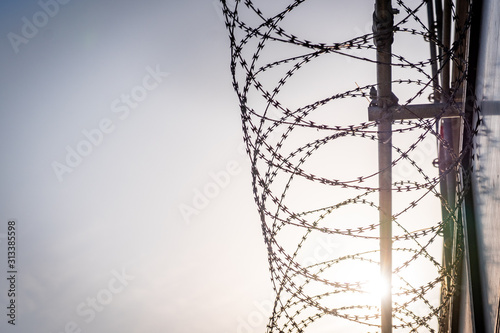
383, 34
445, 73
432, 45
478, 307
449, 185
385, 215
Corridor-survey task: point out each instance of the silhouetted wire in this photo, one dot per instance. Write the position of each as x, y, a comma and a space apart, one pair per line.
282, 143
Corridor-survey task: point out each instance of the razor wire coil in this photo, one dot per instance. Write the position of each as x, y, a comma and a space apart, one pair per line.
289, 140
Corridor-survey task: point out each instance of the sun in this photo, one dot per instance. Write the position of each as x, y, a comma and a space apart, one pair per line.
377, 288
373, 288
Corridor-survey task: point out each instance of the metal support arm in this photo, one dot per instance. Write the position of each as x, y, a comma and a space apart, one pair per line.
416, 111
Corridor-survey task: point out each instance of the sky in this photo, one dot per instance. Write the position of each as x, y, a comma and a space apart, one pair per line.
124, 172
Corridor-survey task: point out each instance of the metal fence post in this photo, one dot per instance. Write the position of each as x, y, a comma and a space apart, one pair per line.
383, 37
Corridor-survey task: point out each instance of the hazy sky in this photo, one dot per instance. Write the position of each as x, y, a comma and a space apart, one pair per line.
115, 116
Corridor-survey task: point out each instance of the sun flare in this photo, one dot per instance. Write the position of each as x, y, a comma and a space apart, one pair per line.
377, 288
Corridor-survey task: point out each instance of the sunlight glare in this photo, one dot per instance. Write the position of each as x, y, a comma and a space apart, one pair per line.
377, 288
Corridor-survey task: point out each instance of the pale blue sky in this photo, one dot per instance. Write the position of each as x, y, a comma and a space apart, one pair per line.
119, 207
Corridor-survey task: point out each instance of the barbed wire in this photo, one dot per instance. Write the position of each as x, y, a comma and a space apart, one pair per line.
304, 157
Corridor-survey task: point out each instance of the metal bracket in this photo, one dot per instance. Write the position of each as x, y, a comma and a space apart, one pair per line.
416, 111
